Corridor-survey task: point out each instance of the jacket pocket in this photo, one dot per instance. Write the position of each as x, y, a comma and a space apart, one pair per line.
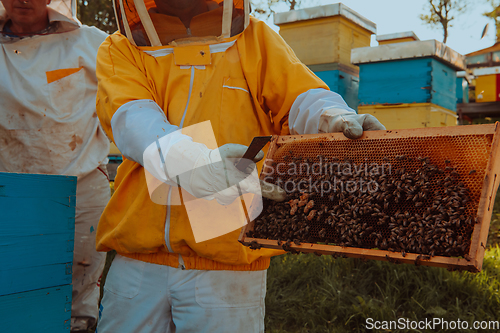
235, 85
66, 90
230, 289
238, 113
236, 98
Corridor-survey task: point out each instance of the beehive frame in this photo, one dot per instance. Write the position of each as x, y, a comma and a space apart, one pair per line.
463, 142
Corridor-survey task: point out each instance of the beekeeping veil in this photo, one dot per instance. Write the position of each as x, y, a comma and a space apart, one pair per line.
65, 7
62, 15
161, 22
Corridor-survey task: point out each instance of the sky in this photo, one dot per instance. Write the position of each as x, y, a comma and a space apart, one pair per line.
393, 16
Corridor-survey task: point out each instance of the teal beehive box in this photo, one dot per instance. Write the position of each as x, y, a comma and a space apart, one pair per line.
36, 251
409, 72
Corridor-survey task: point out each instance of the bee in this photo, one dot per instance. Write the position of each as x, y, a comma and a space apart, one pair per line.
309, 205
254, 245
311, 214
417, 260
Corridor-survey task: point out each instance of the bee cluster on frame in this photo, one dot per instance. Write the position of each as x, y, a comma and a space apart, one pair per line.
413, 207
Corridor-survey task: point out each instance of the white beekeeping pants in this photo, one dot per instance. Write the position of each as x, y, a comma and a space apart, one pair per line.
140, 297
92, 195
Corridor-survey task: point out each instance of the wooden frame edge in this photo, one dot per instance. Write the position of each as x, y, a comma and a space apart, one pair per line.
490, 187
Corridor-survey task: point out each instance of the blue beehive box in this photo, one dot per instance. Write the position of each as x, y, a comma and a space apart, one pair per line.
36, 251
341, 79
409, 72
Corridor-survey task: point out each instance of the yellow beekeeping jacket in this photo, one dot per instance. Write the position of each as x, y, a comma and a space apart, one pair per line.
246, 90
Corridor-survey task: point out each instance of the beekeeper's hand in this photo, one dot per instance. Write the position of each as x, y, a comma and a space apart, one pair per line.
209, 173
351, 124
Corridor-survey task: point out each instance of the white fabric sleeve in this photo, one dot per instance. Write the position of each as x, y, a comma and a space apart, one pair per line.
137, 124
304, 117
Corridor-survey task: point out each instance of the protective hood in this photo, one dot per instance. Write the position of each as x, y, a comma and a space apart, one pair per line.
174, 22
62, 17
65, 7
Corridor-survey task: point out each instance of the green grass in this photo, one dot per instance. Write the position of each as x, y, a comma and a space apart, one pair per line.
306, 293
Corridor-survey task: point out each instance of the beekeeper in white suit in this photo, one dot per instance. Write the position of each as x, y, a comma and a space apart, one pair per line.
48, 122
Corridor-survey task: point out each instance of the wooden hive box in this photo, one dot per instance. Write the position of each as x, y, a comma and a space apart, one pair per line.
36, 251
325, 34
341, 79
405, 116
487, 84
410, 72
432, 203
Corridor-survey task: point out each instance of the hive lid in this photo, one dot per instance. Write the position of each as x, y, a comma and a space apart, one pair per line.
409, 50
397, 35
325, 11
487, 71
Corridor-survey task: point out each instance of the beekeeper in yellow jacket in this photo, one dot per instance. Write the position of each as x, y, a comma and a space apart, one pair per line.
176, 64
48, 122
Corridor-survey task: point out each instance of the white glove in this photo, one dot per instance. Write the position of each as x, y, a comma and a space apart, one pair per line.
351, 124
206, 173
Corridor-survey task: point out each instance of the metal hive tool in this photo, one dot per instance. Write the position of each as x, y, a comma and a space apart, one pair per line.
430, 202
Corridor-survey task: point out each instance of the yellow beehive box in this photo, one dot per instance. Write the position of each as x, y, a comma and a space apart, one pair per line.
325, 34
399, 37
406, 116
487, 84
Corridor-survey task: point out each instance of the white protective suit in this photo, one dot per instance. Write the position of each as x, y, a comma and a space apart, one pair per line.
48, 124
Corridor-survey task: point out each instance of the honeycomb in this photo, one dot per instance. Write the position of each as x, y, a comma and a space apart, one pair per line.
429, 208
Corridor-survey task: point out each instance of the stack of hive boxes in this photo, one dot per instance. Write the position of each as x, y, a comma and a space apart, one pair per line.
322, 38
409, 84
36, 252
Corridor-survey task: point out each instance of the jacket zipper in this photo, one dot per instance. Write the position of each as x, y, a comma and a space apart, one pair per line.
167, 220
